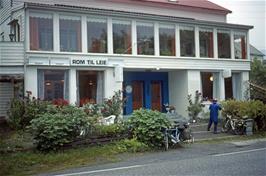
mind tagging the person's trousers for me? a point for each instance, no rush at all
(210, 124)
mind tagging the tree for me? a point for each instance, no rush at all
(258, 81)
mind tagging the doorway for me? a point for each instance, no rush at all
(156, 96)
(137, 94)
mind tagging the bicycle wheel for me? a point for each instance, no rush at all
(226, 127)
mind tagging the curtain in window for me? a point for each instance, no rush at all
(34, 33)
(99, 93)
(210, 44)
(41, 83)
(243, 47)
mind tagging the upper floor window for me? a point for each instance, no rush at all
(122, 37)
(145, 38)
(224, 44)
(70, 33)
(167, 40)
(240, 46)
(187, 41)
(206, 43)
(97, 35)
(41, 32)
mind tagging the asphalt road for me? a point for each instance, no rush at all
(224, 159)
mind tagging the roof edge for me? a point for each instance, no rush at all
(118, 13)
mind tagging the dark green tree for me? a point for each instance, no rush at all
(258, 81)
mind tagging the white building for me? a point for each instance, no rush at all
(158, 51)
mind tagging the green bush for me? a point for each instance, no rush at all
(251, 109)
(146, 126)
(114, 105)
(22, 111)
(131, 145)
(112, 130)
(54, 129)
(15, 113)
(194, 108)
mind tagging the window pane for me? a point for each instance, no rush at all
(70, 35)
(240, 47)
(41, 33)
(54, 84)
(90, 87)
(207, 85)
(167, 42)
(122, 38)
(145, 40)
(97, 37)
(224, 48)
(206, 44)
(187, 43)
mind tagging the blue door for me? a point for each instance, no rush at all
(148, 90)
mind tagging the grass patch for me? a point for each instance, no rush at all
(34, 162)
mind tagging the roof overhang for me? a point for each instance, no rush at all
(142, 16)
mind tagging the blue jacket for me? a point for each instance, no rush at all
(214, 108)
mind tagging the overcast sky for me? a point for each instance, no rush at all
(248, 12)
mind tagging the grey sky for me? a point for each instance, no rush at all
(248, 12)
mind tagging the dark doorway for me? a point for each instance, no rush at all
(156, 96)
(137, 94)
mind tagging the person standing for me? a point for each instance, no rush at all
(214, 111)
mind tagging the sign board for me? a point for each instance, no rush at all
(89, 62)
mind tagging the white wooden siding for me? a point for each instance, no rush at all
(11, 53)
(6, 94)
(5, 11)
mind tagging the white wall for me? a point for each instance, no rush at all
(181, 84)
(178, 91)
(30, 81)
(110, 83)
(194, 82)
(244, 84)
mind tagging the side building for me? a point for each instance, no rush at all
(157, 52)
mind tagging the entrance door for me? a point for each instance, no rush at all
(156, 96)
(137, 94)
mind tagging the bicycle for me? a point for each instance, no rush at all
(234, 126)
(180, 133)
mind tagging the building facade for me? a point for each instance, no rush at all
(157, 52)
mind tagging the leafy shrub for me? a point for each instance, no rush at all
(112, 130)
(22, 111)
(251, 109)
(93, 109)
(15, 113)
(114, 105)
(194, 108)
(147, 125)
(132, 145)
(233, 108)
(54, 129)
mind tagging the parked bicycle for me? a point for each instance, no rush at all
(180, 133)
(234, 125)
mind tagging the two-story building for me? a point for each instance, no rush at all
(157, 51)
